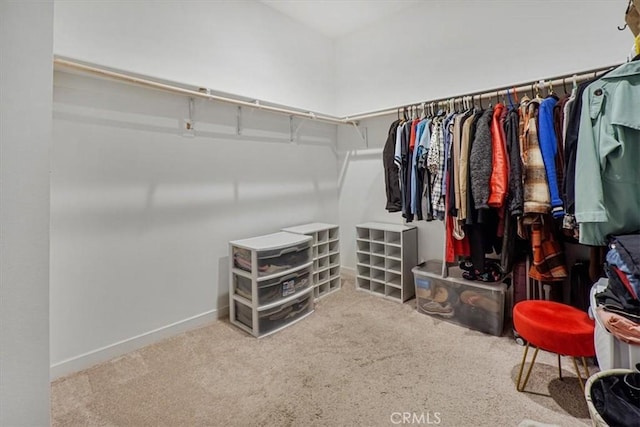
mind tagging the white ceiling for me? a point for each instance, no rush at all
(336, 18)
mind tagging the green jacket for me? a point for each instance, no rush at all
(607, 180)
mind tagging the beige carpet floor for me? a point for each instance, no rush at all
(358, 360)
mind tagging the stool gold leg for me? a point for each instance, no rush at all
(559, 367)
(524, 359)
(575, 365)
(586, 369)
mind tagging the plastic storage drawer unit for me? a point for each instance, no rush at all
(271, 282)
(275, 289)
(475, 305)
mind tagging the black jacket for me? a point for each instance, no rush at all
(515, 197)
(391, 175)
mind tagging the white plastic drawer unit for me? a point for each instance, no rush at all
(274, 318)
(275, 289)
(271, 282)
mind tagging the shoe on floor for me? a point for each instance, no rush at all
(434, 308)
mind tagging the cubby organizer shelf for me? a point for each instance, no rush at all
(271, 282)
(385, 255)
(326, 255)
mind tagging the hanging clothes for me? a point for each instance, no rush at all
(607, 180)
(406, 169)
(548, 258)
(465, 146)
(397, 158)
(548, 148)
(480, 158)
(423, 192)
(536, 189)
(499, 180)
(391, 174)
(417, 189)
(515, 197)
(558, 126)
(571, 146)
(497, 176)
(435, 164)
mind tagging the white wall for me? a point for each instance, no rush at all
(362, 192)
(446, 48)
(241, 47)
(141, 216)
(26, 43)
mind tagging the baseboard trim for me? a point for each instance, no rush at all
(91, 358)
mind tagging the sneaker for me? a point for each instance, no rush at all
(466, 265)
(434, 308)
(471, 274)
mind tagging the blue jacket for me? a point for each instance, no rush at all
(549, 148)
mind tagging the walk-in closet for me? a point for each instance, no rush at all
(287, 213)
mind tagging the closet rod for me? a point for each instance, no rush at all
(557, 81)
(90, 69)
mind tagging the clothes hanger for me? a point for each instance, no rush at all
(626, 12)
(515, 96)
(550, 91)
(537, 92)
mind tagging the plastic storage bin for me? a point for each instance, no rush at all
(475, 305)
(610, 351)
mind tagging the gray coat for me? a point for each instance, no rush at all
(480, 161)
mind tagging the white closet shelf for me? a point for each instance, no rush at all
(61, 62)
(326, 255)
(385, 254)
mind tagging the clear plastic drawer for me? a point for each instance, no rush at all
(275, 289)
(273, 261)
(277, 317)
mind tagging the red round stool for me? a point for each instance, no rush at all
(554, 327)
